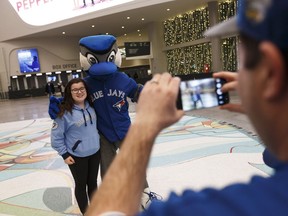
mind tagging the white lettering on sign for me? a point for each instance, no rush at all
(44, 12)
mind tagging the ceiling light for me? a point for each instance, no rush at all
(138, 30)
(48, 73)
(123, 27)
(140, 35)
(168, 9)
(128, 17)
(14, 77)
(142, 19)
(58, 72)
(93, 26)
(28, 75)
(39, 74)
(63, 33)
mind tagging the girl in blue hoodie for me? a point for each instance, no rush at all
(75, 137)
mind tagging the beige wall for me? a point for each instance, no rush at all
(62, 51)
(53, 51)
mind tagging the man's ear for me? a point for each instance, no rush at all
(275, 82)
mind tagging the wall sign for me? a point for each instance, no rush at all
(43, 12)
(137, 49)
(28, 60)
(64, 66)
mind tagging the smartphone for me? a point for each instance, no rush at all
(201, 93)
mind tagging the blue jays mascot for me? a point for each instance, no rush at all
(100, 59)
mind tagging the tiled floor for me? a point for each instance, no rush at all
(189, 154)
(23, 109)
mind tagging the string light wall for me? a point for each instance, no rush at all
(189, 27)
(228, 45)
(189, 59)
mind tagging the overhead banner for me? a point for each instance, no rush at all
(43, 12)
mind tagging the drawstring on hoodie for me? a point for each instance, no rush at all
(84, 117)
(89, 116)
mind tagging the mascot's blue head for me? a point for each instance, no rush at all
(99, 55)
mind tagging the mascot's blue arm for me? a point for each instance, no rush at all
(54, 108)
(137, 93)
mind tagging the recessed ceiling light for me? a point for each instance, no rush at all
(63, 33)
(93, 26)
(123, 27)
(142, 19)
(107, 33)
(138, 30)
(128, 17)
(125, 34)
(168, 9)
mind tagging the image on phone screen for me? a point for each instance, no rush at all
(202, 93)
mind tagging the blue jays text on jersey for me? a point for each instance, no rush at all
(109, 98)
(110, 93)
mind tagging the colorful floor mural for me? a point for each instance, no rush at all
(195, 152)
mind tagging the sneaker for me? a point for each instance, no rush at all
(148, 197)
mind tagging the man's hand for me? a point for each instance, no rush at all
(231, 85)
(54, 107)
(157, 102)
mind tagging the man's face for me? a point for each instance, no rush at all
(250, 88)
(243, 79)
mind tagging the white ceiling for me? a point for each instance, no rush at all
(12, 27)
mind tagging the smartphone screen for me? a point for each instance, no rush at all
(201, 93)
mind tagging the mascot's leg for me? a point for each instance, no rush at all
(147, 195)
(108, 152)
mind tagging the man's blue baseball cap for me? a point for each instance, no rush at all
(259, 19)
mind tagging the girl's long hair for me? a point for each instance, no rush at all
(68, 102)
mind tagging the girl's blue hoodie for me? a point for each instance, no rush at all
(76, 134)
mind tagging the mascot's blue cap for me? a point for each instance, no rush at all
(100, 44)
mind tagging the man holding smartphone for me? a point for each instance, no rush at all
(201, 93)
(263, 89)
